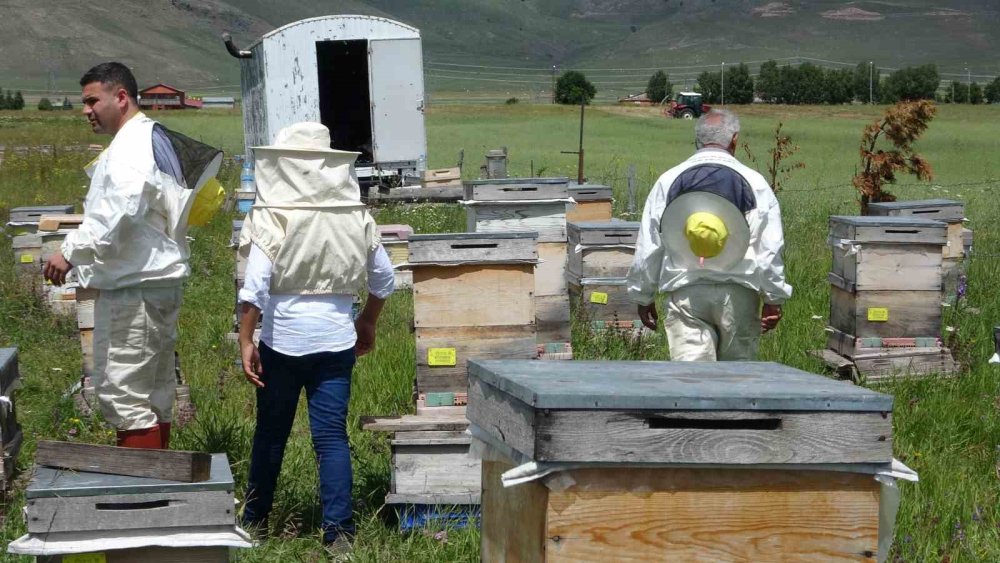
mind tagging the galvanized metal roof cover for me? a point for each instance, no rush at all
(911, 204)
(468, 236)
(885, 221)
(50, 482)
(515, 181)
(588, 385)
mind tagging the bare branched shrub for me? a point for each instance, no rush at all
(778, 171)
(902, 125)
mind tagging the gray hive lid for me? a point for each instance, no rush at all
(8, 368)
(604, 226)
(50, 482)
(590, 385)
(555, 181)
(31, 213)
(470, 236)
(948, 210)
(890, 221)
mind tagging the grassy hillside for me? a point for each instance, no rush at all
(177, 41)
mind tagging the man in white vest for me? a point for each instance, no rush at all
(132, 246)
(711, 239)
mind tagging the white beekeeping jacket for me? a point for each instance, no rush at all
(310, 222)
(135, 216)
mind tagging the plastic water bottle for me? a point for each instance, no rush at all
(246, 178)
(422, 163)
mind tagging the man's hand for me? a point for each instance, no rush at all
(648, 316)
(366, 336)
(56, 268)
(769, 317)
(252, 368)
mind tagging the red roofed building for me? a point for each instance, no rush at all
(162, 96)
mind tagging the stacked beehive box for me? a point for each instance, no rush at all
(885, 295)
(27, 241)
(539, 205)
(52, 230)
(599, 259)
(90, 512)
(679, 461)
(86, 300)
(441, 178)
(395, 239)
(959, 238)
(10, 430)
(472, 298)
(591, 202)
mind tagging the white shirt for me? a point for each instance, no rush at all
(762, 268)
(296, 325)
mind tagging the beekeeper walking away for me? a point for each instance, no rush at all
(711, 240)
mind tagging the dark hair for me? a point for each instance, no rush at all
(112, 74)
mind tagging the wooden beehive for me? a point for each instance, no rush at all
(638, 434)
(77, 501)
(947, 211)
(597, 300)
(886, 276)
(592, 203)
(518, 204)
(601, 249)
(473, 297)
(395, 240)
(28, 253)
(24, 220)
(10, 429)
(552, 308)
(441, 178)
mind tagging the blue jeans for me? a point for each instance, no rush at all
(326, 377)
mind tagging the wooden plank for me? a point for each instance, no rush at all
(452, 296)
(434, 469)
(171, 465)
(11, 449)
(914, 362)
(432, 438)
(129, 511)
(589, 211)
(398, 251)
(433, 499)
(893, 267)
(724, 437)
(414, 423)
(513, 519)
(154, 555)
(56, 222)
(483, 342)
(840, 365)
(471, 248)
(910, 313)
(546, 219)
(955, 247)
(711, 515)
(505, 418)
(430, 194)
(552, 318)
(87, 351)
(550, 275)
(438, 174)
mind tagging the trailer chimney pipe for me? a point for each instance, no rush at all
(233, 50)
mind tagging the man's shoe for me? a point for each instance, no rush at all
(144, 438)
(340, 548)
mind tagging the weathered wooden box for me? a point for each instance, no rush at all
(639, 431)
(395, 240)
(944, 210)
(552, 309)
(153, 554)
(78, 501)
(433, 464)
(28, 253)
(24, 220)
(441, 177)
(601, 249)
(473, 296)
(593, 203)
(885, 314)
(10, 429)
(518, 204)
(887, 253)
(601, 299)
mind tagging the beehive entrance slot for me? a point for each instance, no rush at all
(474, 245)
(903, 231)
(132, 505)
(659, 423)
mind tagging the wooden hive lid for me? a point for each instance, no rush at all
(32, 213)
(889, 229)
(947, 210)
(590, 192)
(49, 482)
(8, 368)
(664, 386)
(517, 189)
(445, 248)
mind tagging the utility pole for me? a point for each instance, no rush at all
(579, 152)
(553, 84)
(871, 89)
(968, 74)
(723, 83)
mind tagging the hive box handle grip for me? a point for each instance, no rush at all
(474, 245)
(662, 423)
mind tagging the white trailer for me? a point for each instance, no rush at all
(361, 76)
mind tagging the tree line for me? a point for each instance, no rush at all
(11, 100)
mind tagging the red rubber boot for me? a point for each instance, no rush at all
(145, 438)
(164, 435)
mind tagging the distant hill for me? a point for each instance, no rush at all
(45, 42)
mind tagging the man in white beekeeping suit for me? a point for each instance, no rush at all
(711, 239)
(132, 246)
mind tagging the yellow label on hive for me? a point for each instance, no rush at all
(441, 357)
(878, 314)
(84, 558)
(27, 258)
(599, 297)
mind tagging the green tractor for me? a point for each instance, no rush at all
(686, 105)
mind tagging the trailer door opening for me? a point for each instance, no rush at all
(344, 98)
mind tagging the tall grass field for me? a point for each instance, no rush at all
(946, 429)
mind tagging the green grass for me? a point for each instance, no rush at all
(948, 430)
